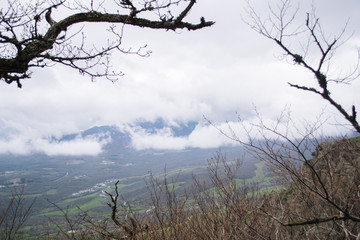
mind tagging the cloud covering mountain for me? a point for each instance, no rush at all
(220, 72)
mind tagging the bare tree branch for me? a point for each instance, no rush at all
(23, 47)
(277, 28)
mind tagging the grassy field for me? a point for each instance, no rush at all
(51, 192)
(97, 202)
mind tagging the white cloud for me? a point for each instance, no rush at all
(202, 137)
(232, 133)
(87, 146)
(78, 146)
(15, 146)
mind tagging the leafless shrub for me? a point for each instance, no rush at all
(14, 213)
(321, 179)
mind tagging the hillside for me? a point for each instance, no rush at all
(69, 182)
(225, 200)
(320, 201)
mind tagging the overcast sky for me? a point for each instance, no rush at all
(218, 72)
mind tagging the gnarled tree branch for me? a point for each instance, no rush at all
(19, 53)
